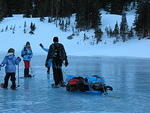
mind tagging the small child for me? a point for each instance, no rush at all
(27, 54)
(10, 62)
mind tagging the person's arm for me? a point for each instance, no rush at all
(23, 52)
(45, 49)
(31, 53)
(48, 55)
(64, 56)
(64, 53)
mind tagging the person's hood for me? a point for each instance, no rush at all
(10, 55)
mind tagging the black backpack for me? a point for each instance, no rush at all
(56, 51)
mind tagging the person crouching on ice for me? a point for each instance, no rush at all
(10, 62)
(27, 54)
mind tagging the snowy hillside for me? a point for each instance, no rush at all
(77, 46)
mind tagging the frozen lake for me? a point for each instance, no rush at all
(130, 78)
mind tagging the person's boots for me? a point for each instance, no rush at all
(28, 75)
(62, 84)
(25, 72)
(13, 80)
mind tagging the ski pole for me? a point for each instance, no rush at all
(18, 77)
(31, 70)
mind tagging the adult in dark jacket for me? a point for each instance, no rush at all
(57, 54)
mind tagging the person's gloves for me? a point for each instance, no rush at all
(1, 65)
(41, 45)
(19, 59)
(66, 63)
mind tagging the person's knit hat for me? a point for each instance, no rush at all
(55, 39)
(11, 50)
(27, 43)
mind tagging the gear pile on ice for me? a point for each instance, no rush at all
(93, 84)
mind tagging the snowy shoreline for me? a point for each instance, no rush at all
(77, 46)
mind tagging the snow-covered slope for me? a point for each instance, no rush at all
(77, 46)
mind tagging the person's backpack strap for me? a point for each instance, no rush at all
(57, 51)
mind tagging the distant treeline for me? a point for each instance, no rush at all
(87, 11)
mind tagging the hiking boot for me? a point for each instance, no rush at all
(48, 72)
(62, 84)
(29, 75)
(13, 88)
(3, 86)
(55, 86)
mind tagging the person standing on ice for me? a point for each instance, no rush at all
(27, 54)
(10, 62)
(50, 60)
(57, 54)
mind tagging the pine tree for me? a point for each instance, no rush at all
(32, 28)
(61, 25)
(42, 19)
(25, 25)
(6, 28)
(28, 8)
(49, 20)
(142, 21)
(13, 29)
(3, 9)
(88, 16)
(98, 35)
(1, 18)
(110, 32)
(124, 28)
(107, 31)
(116, 30)
(85, 37)
(2, 30)
(131, 33)
(24, 30)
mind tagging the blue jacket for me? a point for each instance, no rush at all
(45, 49)
(10, 62)
(49, 63)
(26, 54)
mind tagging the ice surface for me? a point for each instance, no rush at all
(128, 76)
